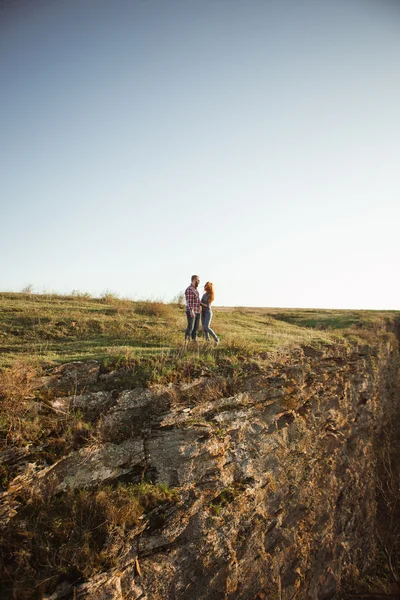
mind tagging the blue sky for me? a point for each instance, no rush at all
(254, 143)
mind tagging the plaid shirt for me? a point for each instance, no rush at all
(192, 299)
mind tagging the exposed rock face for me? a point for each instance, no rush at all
(73, 377)
(277, 498)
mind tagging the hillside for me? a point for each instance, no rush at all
(135, 467)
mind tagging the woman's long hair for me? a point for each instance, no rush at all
(210, 291)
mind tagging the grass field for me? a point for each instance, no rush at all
(53, 329)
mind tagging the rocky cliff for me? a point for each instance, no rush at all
(273, 475)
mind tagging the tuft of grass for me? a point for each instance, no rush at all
(109, 297)
(226, 497)
(18, 383)
(81, 295)
(150, 308)
(18, 414)
(28, 289)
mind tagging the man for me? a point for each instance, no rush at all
(192, 309)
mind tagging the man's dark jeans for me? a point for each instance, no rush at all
(192, 327)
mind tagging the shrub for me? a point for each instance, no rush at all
(28, 289)
(109, 297)
(179, 300)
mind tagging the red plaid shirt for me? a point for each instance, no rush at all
(192, 299)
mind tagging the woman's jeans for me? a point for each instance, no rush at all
(206, 317)
(192, 327)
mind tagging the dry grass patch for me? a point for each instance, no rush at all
(19, 419)
(18, 382)
(73, 535)
(150, 308)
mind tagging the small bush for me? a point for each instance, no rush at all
(109, 297)
(179, 300)
(28, 289)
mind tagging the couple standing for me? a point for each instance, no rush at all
(193, 306)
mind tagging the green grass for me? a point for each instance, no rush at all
(55, 329)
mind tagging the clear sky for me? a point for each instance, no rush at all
(254, 142)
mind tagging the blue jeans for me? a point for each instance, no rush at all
(206, 317)
(192, 326)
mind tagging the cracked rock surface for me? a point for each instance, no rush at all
(274, 498)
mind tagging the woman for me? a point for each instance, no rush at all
(206, 312)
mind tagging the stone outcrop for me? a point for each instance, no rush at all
(276, 481)
(73, 377)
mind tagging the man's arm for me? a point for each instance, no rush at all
(190, 300)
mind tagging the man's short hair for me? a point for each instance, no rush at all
(194, 277)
